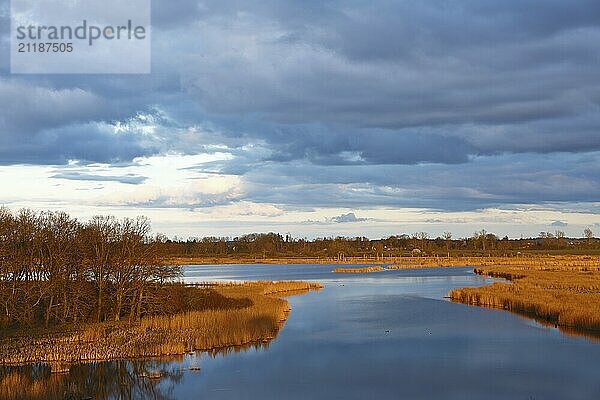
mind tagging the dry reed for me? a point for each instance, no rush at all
(564, 291)
(164, 335)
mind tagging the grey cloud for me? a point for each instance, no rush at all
(340, 219)
(162, 199)
(89, 142)
(175, 13)
(345, 218)
(446, 82)
(559, 224)
(310, 80)
(484, 182)
(30, 108)
(129, 179)
(368, 147)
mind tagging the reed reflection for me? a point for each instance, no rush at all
(122, 379)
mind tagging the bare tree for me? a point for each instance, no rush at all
(51, 265)
(100, 241)
(481, 236)
(588, 234)
(447, 236)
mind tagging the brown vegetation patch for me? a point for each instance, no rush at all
(563, 292)
(230, 315)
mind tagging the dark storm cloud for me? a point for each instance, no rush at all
(371, 147)
(436, 75)
(461, 64)
(90, 143)
(43, 122)
(400, 29)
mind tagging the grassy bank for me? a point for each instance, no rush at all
(238, 315)
(563, 291)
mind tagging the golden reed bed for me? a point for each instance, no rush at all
(563, 291)
(163, 335)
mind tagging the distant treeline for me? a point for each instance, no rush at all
(55, 269)
(274, 245)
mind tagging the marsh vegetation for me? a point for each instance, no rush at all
(564, 291)
(223, 316)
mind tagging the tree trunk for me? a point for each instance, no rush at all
(65, 306)
(49, 310)
(133, 306)
(118, 305)
(139, 307)
(99, 316)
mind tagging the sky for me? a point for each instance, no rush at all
(320, 118)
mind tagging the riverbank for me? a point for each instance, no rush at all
(563, 292)
(248, 312)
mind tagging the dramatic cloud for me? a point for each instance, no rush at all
(349, 104)
(89, 142)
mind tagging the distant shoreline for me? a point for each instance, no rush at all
(407, 262)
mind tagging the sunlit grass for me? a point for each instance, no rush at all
(563, 291)
(218, 327)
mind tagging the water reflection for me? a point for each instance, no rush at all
(124, 379)
(593, 336)
(119, 379)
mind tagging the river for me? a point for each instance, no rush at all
(386, 335)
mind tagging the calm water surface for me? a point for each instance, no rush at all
(378, 336)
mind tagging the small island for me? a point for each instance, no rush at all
(361, 270)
